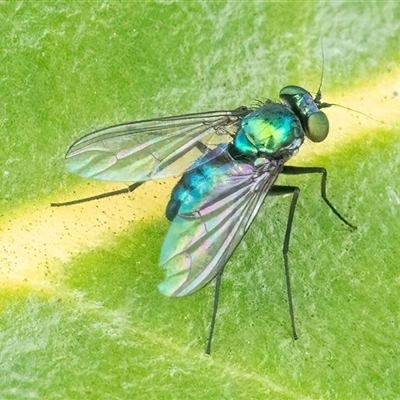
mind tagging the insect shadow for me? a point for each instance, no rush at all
(229, 161)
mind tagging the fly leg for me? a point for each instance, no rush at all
(129, 189)
(274, 191)
(202, 147)
(295, 191)
(288, 170)
(215, 309)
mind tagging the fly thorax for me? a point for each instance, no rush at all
(269, 132)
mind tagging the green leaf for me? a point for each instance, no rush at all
(80, 313)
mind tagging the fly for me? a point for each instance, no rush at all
(229, 162)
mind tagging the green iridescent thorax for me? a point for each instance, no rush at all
(271, 130)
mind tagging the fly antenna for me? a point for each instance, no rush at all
(318, 95)
(326, 105)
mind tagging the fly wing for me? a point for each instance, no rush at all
(209, 227)
(151, 149)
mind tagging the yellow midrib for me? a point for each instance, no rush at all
(37, 240)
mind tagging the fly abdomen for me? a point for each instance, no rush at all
(194, 182)
(183, 190)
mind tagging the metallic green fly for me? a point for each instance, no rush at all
(229, 162)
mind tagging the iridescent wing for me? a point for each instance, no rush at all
(151, 149)
(211, 224)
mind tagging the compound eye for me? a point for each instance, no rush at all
(318, 127)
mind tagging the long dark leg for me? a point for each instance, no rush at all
(295, 191)
(214, 316)
(202, 147)
(288, 170)
(129, 189)
(274, 191)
